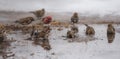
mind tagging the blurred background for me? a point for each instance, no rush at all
(83, 6)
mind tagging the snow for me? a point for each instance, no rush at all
(81, 48)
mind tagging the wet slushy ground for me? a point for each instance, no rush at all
(82, 47)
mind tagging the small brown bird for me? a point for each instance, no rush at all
(41, 38)
(110, 33)
(39, 13)
(25, 21)
(89, 30)
(75, 18)
(71, 34)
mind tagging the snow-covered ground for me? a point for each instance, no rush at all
(84, 47)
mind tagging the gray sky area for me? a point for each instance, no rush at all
(93, 6)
